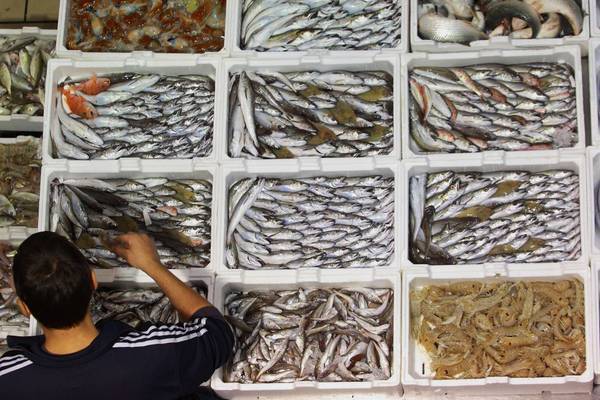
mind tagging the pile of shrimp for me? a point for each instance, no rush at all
(516, 329)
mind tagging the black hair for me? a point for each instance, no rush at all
(53, 279)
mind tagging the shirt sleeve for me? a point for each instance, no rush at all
(208, 346)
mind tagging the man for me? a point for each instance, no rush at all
(75, 359)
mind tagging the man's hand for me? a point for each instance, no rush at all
(138, 250)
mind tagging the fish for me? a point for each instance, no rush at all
(506, 216)
(166, 26)
(20, 169)
(175, 213)
(23, 62)
(281, 25)
(310, 114)
(136, 307)
(12, 322)
(310, 334)
(489, 107)
(464, 22)
(504, 328)
(286, 224)
(148, 116)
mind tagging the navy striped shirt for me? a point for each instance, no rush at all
(160, 362)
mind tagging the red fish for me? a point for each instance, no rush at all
(78, 105)
(93, 86)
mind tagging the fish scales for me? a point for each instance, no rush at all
(311, 334)
(492, 107)
(311, 113)
(175, 213)
(23, 62)
(462, 21)
(496, 216)
(135, 115)
(288, 224)
(281, 25)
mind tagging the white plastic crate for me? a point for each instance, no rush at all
(498, 42)
(416, 375)
(491, 162)
(593, 183)
(389, 63)
(595, 282)
(140, 169)
(133, 279)
(234, 23)
(60, 70)
(18, 233)
(567, 54)
(22, 122)
(233, 171)
(594, 70)
(63, 52)
(284, 280)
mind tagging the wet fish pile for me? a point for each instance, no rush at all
(508, 216)
(519, 329)
(310, 113)
(493, 107)
(12, 322)
(133, 115)
(465, 21)
(175, 213)
(20, 165)
(23, 74)
(162, 26)
(135, 306)
(282, 25)
(327, 335)
(326, 222)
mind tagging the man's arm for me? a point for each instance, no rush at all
(140, 252)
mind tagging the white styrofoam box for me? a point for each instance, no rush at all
(491, 162)
(18, 233)
(174, 169)
(593, 184)
(567, 54)
(388, 62)
(59, 70)
(22, 122)
(594, 69)
(133, 279)
(416, 374)
(286, 280)
(233, 171)
(497, 42)
(234, 20)
(63, 52)
(594, 22)
(595, 281)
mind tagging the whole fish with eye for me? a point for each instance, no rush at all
(309, 334)
(493, 107)
(162, 26)
(523, 329)
(310, 114)
(317, 222)
(466, 21)
(283, 25)
(134, 115)
(12, 322)
(136, 306)
(20, 166)
(23, 62)
(175, 213)
(505, 216)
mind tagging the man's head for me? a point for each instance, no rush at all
(53, 280)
